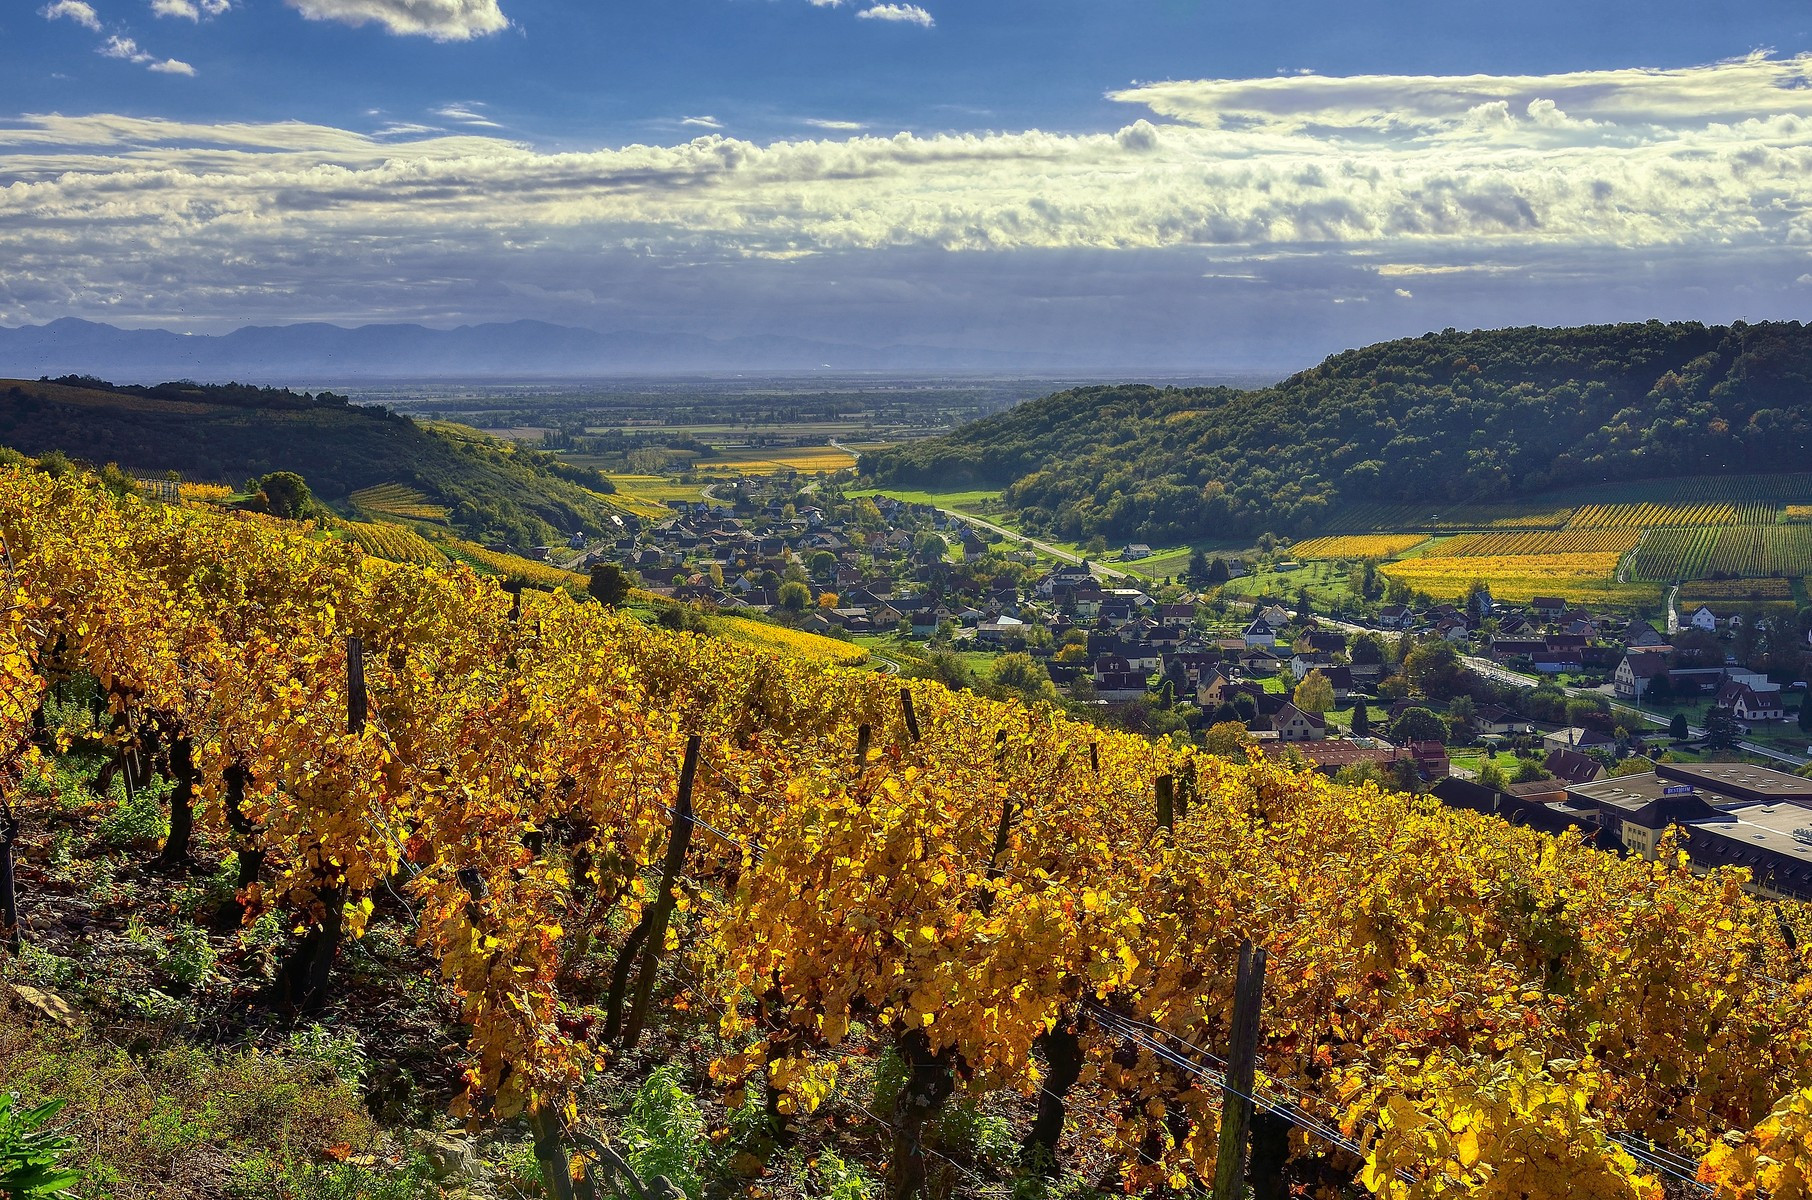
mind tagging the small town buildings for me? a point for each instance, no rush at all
(1294, 725)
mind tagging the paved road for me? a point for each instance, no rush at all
(1103, 571)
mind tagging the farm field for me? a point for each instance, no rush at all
(397, 500)
(490, 562)
(1650, 516)
(394, 542)
(1744, 550)
(1367, 545)
(646, 495)
(1581, 578)
(1565, 541)
(806, 459)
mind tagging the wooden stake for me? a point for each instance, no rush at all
(1167, 795)
(1242, 1067)
(1094, 758)
(662, 910)
(356, 702)
(862, 736)
(9, 897)
(912, 718)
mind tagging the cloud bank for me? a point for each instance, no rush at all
(1347, 183)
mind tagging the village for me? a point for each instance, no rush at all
(1529, 710)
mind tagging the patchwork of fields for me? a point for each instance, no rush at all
(1613, 543)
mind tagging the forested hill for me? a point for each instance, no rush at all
(1444, 418)
(227, 433)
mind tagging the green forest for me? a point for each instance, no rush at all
(1450, 417)
(226, 433)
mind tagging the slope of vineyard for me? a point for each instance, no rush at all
(840, 868)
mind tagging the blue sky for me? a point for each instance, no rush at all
(1149, 183)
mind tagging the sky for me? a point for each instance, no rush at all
(1138, 184)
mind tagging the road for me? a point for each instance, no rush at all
(1103, 571)
(1491, 670)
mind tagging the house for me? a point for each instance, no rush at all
(1301, 664)
(1641, 634)
(1430, 758)
(1258, 661)
(1493, 719)
(1572, 767)
(1547, 608)
(1294, 725)
(1636, 672)
(1577, 738)
(1746, 704)
(1260, 634)
(1556, 662)
(1135, 550)
(1704, 619)
(1275, 615)
(1395, 616)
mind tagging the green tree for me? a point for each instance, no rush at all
(285, 494)
(1528, 771)
(1677, 728)
(1315, 693)
(1434, 669)
(824, 564)
(1362, 720)
(1218, 571)
(1492, 776)
(1418, 725)
(795, 597)
(1024, 677)
(1720, 729)
(609, 585)
(1805, 713)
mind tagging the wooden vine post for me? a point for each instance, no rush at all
(863, 733)
(1167, 803)
(912, 717)
(9, 895)
(649, 938)
(357, 703)
(1242, 1068)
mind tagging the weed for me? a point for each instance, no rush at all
(30, 1153)
(137, 818)
(184, 955)
(339, 1051)
(262, 1178)
(665, 1130)
(965, 1130)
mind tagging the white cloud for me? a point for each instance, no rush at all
(1405, 293)
(192, 10)
(911, 14)
(836, 126)
(826, 3)
(98, 204)
(171, 66)
(123, 47)
(704, 122)
(81, 13)
(440, 20)
(467, 114)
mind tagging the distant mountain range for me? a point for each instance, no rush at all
(519, 349)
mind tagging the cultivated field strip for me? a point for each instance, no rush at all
(397, 500)
(1366, 517)
(1363, 545)
(394, 543)
(1652, 516)
(1564, 541)
(1744, 550)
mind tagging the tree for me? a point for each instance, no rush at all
(1362, 720)
(1368, 650)
(1434, 669)
(609, 585)
(1218, 572)
(827, 599)
(795, 597)
(1492, 776)
(1528, 771)
(1418, 725)
(1227, 739)
(824, 564)
(1315, 693)
(1305, 608)
(1023, 676)
(1198, 566)
(285, 494)
(1720, 729)
(1408, 777)
(1805, 714)
(1677, 728)
(1478, 602)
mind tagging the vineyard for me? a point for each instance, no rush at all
(1783, 551)
(1568, 541)
(1582, 578)
(608, 842)
(1362, 517)
(514, 566)
(397, 500)
(1373, 545)
(394, 542)
(1702, 590)
(1650, 516)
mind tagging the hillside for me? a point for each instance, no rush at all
(488, 491)
(873, 930)
(1445, 418)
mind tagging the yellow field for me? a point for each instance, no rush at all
(394, 543)
(203, 491)
(1517, 577)
(516, 567)
(1358, 545)
(806, 459)
(644, 495)
(397, 500)
(780, 640)
(1565, 541)
(1649, 516)
(1798, 513)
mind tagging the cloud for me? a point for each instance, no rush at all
(1405, 293)
(1460, 199)
(81, 13)
(189, 9)
(912, 14)
(171, 66)
(838, 126)
(826, 3)
(467, 114)
(440, 20)
(123, 47)
(704, 122)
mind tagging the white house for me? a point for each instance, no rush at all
(1704, 619)
(1260, 634)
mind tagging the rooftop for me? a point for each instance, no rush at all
(1740, 780)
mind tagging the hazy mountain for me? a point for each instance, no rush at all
(514, 350)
